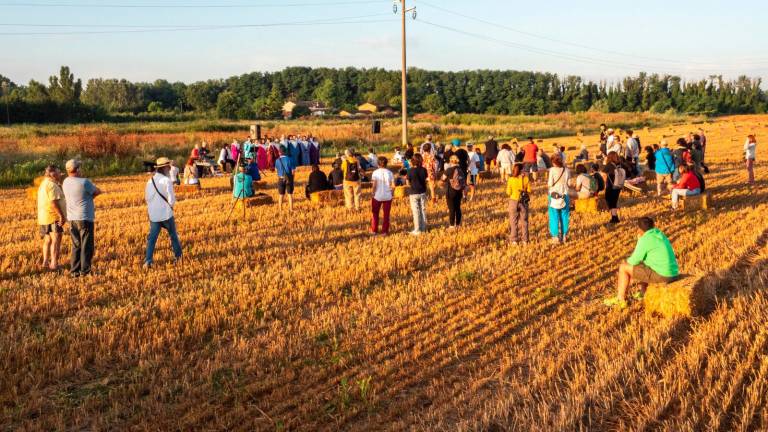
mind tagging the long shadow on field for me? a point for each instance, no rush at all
(728, 284)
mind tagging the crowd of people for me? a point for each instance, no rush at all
(425, 169)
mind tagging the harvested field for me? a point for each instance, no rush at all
(305, 322)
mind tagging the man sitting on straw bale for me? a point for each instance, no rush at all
(652, 262)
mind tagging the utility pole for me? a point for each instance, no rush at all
(7, 95)
(404, 90)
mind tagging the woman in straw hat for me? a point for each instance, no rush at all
(160, 199)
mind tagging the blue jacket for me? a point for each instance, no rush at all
(665, 162)
(253, 171)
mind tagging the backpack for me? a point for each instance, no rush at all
(592, 184)
(619, 178)
(458, 180)
(353, 172)
(599, 182)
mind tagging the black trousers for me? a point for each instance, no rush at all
(82, 247)
(453, 197)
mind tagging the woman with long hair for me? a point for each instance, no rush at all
(190, 173)
(455, 179)
(418, 179)
(558, 200)
(519, 193)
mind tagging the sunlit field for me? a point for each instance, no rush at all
(303, 321)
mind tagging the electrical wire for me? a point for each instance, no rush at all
(574, 44)
(150, 29)
(561, 55)
(167, 30)
(188, 5)
(180, 26)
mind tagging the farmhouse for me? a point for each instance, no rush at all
(316, 108)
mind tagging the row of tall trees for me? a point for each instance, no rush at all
(261, 95)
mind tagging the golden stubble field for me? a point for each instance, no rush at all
(303, 322)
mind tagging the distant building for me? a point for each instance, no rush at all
(370, 109)
(316, 108)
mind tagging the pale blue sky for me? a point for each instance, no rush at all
(692, 38)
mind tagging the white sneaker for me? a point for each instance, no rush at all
(415, 233)
(554, 240)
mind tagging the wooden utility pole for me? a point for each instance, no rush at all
(404, 92)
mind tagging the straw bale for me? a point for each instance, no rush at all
(686, 297)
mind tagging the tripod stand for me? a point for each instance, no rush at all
(240, 198)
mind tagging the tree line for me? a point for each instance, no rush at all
(260, 95)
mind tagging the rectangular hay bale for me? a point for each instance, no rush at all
(587, 205)
(254, 201)
(327, 198)
(488, 175)
(687, 297)
(695, 202)
(187, 189)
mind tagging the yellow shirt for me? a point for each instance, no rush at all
(49, 194)
(515, 185)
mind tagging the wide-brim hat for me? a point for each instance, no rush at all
(162, 162)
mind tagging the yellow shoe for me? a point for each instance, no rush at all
(615, 301)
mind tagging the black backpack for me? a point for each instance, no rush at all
(353, 171)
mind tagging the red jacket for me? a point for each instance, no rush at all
(688, 181)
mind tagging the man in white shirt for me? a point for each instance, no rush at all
(160, 199)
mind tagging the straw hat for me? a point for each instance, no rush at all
(162, 162)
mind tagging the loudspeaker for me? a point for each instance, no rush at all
(256, 132)
(376, 127)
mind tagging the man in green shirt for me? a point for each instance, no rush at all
(653, 261)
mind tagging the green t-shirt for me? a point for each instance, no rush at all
(654, 250)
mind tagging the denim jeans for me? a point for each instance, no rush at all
(154, 231)
(82, 247)
(677, 193)
(419, 210)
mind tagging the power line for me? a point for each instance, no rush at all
(188, 6)
(202, 28)
(561, 55)
(574, 44)
(180, 26)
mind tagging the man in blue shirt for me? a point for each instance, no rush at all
(665, 167)
(285, 171)
(252, 169)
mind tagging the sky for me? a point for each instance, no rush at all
(595, 39)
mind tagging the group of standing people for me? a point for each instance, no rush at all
(68, 201)
(302, 150)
